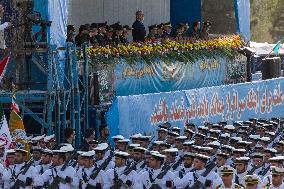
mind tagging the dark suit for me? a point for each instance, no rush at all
(138, 32)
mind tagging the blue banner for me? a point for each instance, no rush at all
(242, 13)
(160, 76)
(143, 113)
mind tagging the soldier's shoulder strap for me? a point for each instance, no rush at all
(208, 169)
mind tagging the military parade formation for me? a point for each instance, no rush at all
(247, 154)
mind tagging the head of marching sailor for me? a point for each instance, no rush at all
(59, 157)
(156, 160)
(138, 153)
(120, 158)
(200, 161)
(46, 157)
(171, 155)
(101, 151)
(277, 176)
(20, 156)
(88, 158)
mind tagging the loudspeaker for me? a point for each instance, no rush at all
(271, 68)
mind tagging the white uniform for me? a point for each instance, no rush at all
(280, 187)
(146, 178)
(16, 173)
(85, 177)
(212, 176)
(42, 168)
(186, 180)
(182, 171)
(49, 175)
(140, 166)
(130, 178)
(109, 166)
(241, 177)
(36, 163)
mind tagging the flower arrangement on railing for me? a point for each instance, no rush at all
(183, 51)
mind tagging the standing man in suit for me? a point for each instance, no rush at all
(139, 31)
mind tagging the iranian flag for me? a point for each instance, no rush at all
(5, 135)
(3, 65)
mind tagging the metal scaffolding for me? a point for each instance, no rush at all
(63, 102)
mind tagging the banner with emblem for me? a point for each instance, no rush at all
(143, 113)
(164, 76)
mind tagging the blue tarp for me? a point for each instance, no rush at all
(242, 12)
(143, 113)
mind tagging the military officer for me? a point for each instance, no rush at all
(277, 178)
(61, 175)
(22, 175)
(139, 158)
(103, 158)
(252, 182)
(46, 161)
(121, 176)
(90, 176)
(227, 175)
(241, 169)
(186, 165)
(36, 152)
(156, 176)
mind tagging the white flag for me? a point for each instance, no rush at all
(5, 135)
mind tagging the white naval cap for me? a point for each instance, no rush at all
(171, 150)
(202, 127)
(38, 138)
(214, 143)
(101, 147)
(229, 127)
(202, 157)
(89, 154)
(225, 135)
(139, 149)
(48, 138)
(265, 139)
(157, 155)
(118, 137)
(67, 148)
(181, 138)
(276, 170)
(277, 159)
(135, 136)
(255, 137)
(10, 151)
(158, 142)
(133, 145)
(121, 154)
(237, 138)
(123, 141)
(189, 143)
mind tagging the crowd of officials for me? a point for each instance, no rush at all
(102, 34)
(247, 154)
